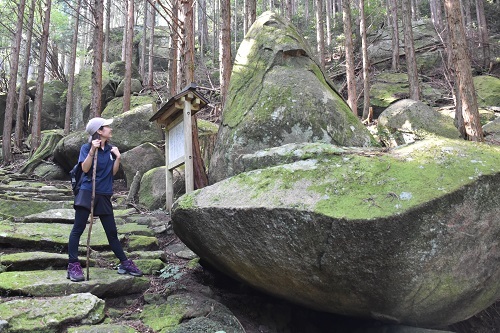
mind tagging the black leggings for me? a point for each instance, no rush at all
(107, 221)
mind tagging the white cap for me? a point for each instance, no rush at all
(95, 123)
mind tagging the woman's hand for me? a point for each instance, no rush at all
(116, 152)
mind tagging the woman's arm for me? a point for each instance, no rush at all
(116, 164)
(87, 163)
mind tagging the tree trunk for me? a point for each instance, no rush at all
(71, 71)
(366, 65)
(252, 12)
(436, 15)
(174, 37)
(225, 49)
(125, 30)
(461, 61)
(395, 34)
(411, 63)
(127, 80)
(107, 33)
(349, 55)
(483, 33)
(11, 94)
(320, 32)
(328, 25)
(96, 101)
(152, 17)
(37, 109)
(188, 37)
(21, 119)
(142, 64)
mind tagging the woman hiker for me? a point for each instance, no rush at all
(108, 163)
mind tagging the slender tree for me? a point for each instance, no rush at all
(484, 43)
(96, 100)
(152, 19)
(71, 70)
(11, 93)
(349, 56)
(366, 65)
(411, 62)
(174, 46)
(251, 12)
(127, 81)
(21, 105)
(107, 31)
(467, 115)
(142, 61)
(36, 127)
(394, 33)
(320, 32)
(225, 47)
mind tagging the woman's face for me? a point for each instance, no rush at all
(105, 132)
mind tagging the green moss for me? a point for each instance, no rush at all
(15, 208)
(163, 317)
(115, 106)
(138, 242)
(487, 90)
(359, 187)
(187, 200)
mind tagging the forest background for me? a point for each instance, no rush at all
(44, 40)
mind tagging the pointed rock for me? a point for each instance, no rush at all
(278, 94)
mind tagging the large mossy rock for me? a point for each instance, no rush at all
(50, 139)
(278, 94)
(130, 129)
(152, 191)
(387, 88)
(83, 95)
(407, 120)
(115, 106)
(141, 159)
(487, 90)
(408, 236)
(53, 105)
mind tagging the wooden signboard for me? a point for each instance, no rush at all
(176, 116)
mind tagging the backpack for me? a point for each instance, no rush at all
(76, 175)
(76, 178)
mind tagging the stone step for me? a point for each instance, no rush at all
(150, 262)
(66, 215)
(54, 236)
(47, 283)
(51, 314)
(11, 209)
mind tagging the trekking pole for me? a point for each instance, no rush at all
(91, 210)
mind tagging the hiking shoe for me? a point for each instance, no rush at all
(128, 267)
(75, 272)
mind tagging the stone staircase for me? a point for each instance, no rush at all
(35, 222)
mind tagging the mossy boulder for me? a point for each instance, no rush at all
(68, 149)
(50, 315)
(53, 105)
(409, 235)
(49, 141)
(190, 314)
(387, 88)
(135, 87)
(117, 71)
(152, 192)
(278, 94)
(83, 95)
(407, 120)
(115, 106)
(487, 90)
(141, 159)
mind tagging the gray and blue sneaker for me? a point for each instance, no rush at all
(128, 267)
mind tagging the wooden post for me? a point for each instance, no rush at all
(169, 187)
(188, 146)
